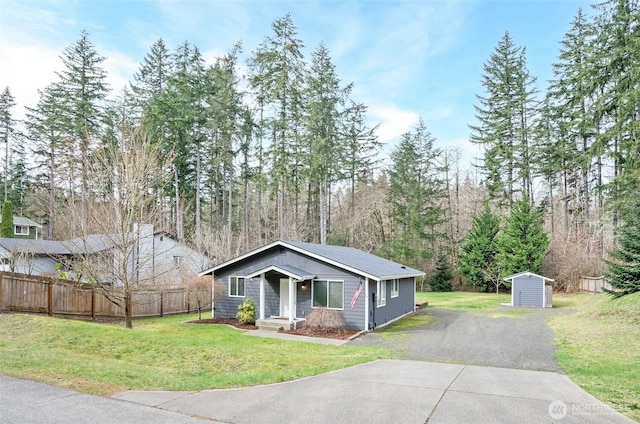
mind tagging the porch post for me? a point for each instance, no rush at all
(292, 303)
(262, 296)
(366, 304)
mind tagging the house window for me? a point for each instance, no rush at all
(328, 294)
(382, 293)
(395, 288)
(21, 230)
(236, 286)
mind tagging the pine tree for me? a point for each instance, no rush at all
(277, 75)
(83, 89)
(6, 226)
(47, 133)
(522, 244)
(478, 256)
(416, 190)
(326, 151)
(570, 107)
(624, 266)
(505, 122)
(440, 281)
(618, 79)
(7, 102)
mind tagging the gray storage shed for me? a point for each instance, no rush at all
(529, 289)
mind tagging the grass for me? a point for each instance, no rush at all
(463, 300)
(486, 304)
(158, 354)
(599, 348)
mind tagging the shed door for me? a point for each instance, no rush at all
(284, 297)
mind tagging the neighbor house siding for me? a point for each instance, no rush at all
(528, 290)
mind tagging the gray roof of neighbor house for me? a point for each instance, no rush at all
(92, 244)
(36, 247)
(26, 222)
(348, 258)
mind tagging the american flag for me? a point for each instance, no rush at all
(356, 295)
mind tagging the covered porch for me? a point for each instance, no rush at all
(284, 296)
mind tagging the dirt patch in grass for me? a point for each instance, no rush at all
(226, 321)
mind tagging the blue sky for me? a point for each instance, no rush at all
(407, 59)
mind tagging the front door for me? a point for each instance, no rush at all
(284, 297)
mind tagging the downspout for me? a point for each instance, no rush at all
(213, 295)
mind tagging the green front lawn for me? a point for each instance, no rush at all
(158, 354)
(599, 348)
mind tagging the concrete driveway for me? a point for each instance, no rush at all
(385, 391)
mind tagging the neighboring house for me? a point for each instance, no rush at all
(153, 258)
(287, 279)
(529, 289)
(25, 228)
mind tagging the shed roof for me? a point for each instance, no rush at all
(348, 258)
(528, 274)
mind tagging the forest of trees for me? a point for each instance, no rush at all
(282, 150)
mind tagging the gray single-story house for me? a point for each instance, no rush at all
(287, 279)
(529, 289)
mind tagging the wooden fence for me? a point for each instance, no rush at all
(28, 293)
(594, 284)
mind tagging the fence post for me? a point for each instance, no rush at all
(93, 303)
(161, 303)
(50, 298)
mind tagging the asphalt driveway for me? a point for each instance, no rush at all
(509, 338)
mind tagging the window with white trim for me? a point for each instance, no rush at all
(236, 286)
(21, 230)
(395, 288)
(328, 294)
(382, 293)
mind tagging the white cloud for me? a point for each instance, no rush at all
(120, 69)
(27, 67)
(393, 121)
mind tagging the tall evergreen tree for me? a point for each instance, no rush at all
(478, 256)
(6, 226)
(7, 124)
(324, 98)
(362, 146)
(277, 75)
(416, 190)
(505, 121)
(570, 102)
(47, 133)
(84, 91)
(618, 79)
(522, 244)
(624, 266)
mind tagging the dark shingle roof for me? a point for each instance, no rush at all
(348, 258)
